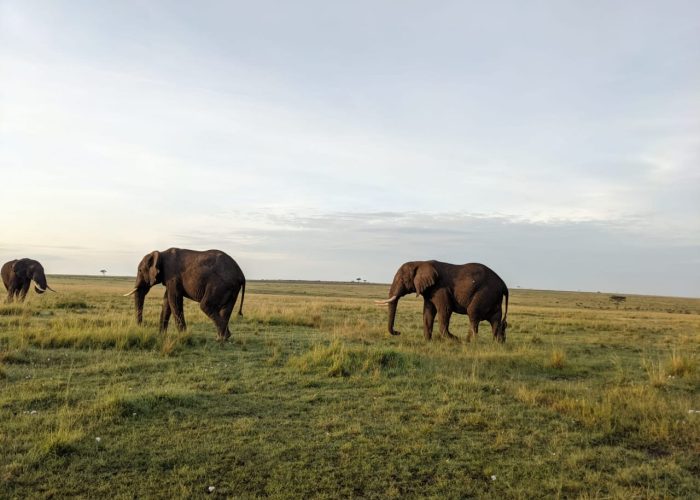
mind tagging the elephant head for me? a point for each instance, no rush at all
(149, 273)
(411, 277)
(28, 269)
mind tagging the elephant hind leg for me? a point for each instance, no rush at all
(218, 313)
(175, 300)
(495, 321)
(473, 329)
(225, 315)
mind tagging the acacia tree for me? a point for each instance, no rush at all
(617, 300)
(103, 271)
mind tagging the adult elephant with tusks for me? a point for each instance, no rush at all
(211, 278)
(471, 289)
(17, 276)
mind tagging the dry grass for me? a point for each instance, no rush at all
(311, 397)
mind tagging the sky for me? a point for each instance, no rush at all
(558, 142)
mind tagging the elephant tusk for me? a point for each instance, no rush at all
(130, 293)
(40, 289)
(385, 302)
(49, 288)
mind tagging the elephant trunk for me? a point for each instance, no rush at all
(40, 284)
(139, 298)
(392, 316)
(396, 291)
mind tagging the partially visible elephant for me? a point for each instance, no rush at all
(17, 276)
(211, 278)
(471, 289)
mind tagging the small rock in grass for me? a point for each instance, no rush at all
(98, 439)
(211, 489)
(493, 478)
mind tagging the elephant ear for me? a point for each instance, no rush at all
(154, 268)
(426, 276)
(20, 268)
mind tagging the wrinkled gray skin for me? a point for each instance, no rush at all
(17, 276)
(471, 289)
(211, 278)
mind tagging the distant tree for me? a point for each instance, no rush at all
(103, 271)
(617, 300)
(364, 281)
(358, 279)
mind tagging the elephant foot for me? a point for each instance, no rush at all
(449, 336)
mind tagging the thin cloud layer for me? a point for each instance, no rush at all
(319, 140)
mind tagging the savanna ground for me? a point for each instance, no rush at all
(312, 398)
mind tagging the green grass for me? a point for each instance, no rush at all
(312, 398)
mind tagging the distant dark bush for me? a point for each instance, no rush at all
(72, 304)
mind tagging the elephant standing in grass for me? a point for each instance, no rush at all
(471, 289)
(17, 276)
(211, 278)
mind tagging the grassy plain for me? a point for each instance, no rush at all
(312, 398)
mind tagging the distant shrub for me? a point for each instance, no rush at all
(617, 299)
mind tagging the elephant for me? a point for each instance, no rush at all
(471, 289)
(18, 274)
(211, 278)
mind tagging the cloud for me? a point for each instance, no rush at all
(602, 255)
(318, 139)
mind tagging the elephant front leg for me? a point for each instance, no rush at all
(429, 311)
(165, 314)
(445, 325)
(175, 300)
(23, 291)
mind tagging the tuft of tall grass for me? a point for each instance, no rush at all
(339, 360)
(143, 404)
(679, 365)
(557, 358)
(655, 372)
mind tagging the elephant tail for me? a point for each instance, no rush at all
(505, 293)
(240, 308)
